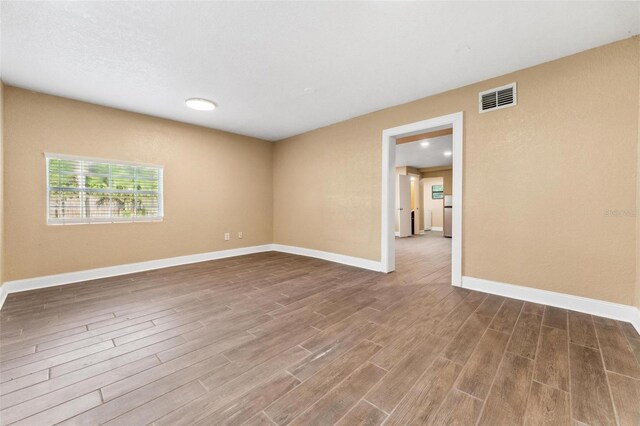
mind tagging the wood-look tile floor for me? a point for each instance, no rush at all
(279, 339)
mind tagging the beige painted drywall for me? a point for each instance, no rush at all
(436, 206)
(539, 178)
(1, 183)
(637, 212)
(447, 179)
(406, 170)
(207, 189)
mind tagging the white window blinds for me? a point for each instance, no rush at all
(88, 190)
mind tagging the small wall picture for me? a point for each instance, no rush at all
(437, 192)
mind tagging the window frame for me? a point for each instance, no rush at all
(90, 221)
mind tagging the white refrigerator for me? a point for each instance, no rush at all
(448, 215)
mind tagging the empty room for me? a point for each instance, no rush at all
(319, 213)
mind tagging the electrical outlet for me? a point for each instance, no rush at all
(227, 236)
(240, 235)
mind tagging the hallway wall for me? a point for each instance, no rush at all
(436, 206)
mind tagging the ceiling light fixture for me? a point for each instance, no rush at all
(447, 153)
(424, 144)
(200, 104)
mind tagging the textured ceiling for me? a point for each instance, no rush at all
(277, 69)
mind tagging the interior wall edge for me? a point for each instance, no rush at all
(3, 294)
(503, 150)
(358, 262)
(215, 182)
(602, 308)
(2, 245)
(638, 191)
(45, 281)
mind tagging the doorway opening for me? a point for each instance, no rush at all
(410, 198)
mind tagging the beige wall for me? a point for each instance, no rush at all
(570, 143)
(447, 179)
(1, 183)
(207, 190)
(405, 170)
(638, 196)
(436, 206)
(573, 142)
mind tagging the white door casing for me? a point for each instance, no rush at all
(387, 240)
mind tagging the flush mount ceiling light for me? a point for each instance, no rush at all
(200, 104)
(447, 153)
(424, 144)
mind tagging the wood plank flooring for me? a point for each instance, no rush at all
(274, 338)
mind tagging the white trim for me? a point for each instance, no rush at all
(576, 303)
(396, 234)
(131, 268)
(100, 160)
(3, 295)
(387, 240)
(436, 228)
(89, 220)
(332, 257)
(104, 220)
(566, 301)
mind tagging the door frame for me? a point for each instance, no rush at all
(387, 240)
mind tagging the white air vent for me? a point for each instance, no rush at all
(498, 98)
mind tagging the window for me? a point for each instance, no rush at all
(89, 190)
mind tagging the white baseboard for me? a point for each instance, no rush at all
(3, 295)
(113, 271)
(332, 257)
(436, 228)
(576, 303)
(397, 234)
(601, 308)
